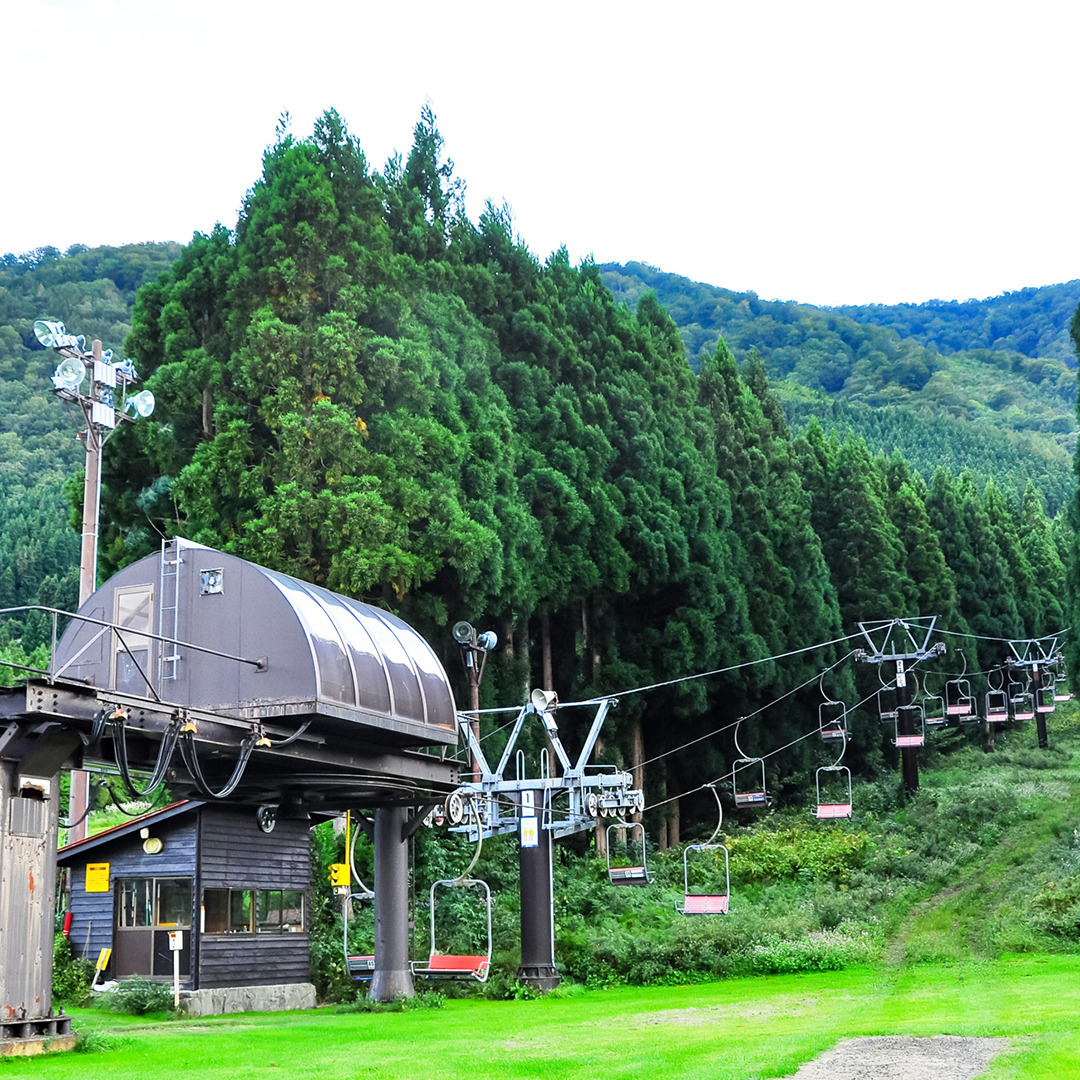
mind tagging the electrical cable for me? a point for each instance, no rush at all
(191, 761)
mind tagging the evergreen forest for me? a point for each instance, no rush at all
(632, 479)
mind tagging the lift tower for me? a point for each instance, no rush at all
(540, 809)
(1035, 659)
(901, 642)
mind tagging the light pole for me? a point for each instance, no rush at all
(474, 649)
(103, 408)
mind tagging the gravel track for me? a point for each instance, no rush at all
(903, 1057)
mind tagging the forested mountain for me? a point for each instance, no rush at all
(991, 384)
(360, 386)
(94, 291)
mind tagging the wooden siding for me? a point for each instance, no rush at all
(218, 847)
(253, 959)
(235, 853)
(92, 915)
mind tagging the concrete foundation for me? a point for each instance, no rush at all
(281, 997)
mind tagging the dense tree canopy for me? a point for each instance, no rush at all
(361, 387)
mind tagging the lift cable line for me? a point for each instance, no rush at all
(769, 753)
(749, 716)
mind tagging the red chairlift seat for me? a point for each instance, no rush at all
(705, 903)
(442, 965)
(454, 966)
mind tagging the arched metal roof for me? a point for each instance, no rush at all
(207, 630)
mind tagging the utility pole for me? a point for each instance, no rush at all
(104, 407)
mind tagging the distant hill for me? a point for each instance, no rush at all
(92, 290)
(986, 385)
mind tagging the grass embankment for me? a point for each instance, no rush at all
(737, 1029)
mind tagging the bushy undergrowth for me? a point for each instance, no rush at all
(138, 996)
(71, 976)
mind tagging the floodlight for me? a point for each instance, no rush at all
(143, 403)
(488, 640)
(54, 335)
(69, 374)
(126, 370)
(463, 632)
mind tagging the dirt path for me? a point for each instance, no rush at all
(903, 1057)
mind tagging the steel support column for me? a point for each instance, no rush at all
(537, 909)
(909, 755)
(393, 976)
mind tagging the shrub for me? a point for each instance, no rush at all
(71, 977)
(138, 996)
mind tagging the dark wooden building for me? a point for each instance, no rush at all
(237, 889)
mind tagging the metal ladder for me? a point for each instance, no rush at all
(172, 560)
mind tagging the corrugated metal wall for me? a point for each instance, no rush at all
(28, 827)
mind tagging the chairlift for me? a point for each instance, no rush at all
(468, 966)
(1061, 689)
(361, 966)
(839, 778)
(959, 700)
(997, 706)
(1022, 701)
(628, 875)
(886, 699)
(472, 966)
(1044, 700)
(917, 736)
(702, 903)
(933, 707)
(747, 795)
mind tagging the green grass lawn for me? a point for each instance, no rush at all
(732, 1030)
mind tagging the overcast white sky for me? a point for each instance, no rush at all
(829, 152)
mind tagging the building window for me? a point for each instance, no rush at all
(246, 911)
(227, 911)
(153, 902)
(281, 911)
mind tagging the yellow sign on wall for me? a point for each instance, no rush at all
(97, 877)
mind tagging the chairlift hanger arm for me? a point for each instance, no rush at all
(465, 726)
(593, 736)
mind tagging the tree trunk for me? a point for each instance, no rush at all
(545, 650)
(637, 757)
